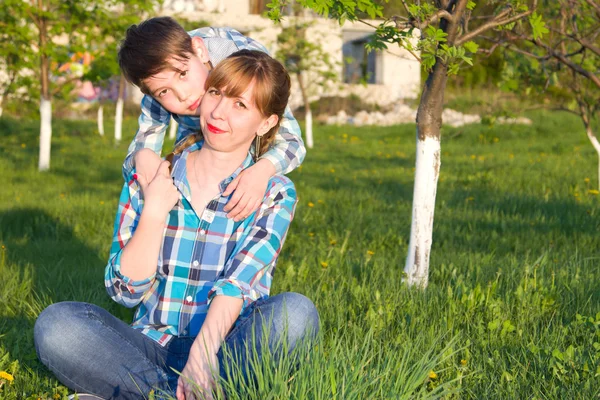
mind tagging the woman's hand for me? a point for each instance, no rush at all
(197, 380)
(250, 187)
(160, 194)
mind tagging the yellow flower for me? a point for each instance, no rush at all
(473, 156)
(101, 202)
(463, 362)
(587, 180)
(311, 234)
(331, 242)
(369, 252)
(23, 145)
(56, 396)
(345, 135)
(324, 264)
(3, 247)
(320, 201)
(496, 140)
(432, 375)
(511, 156)
(332, 170)
(593, 191)
(470, 198)
(311, 204)
(5, 375)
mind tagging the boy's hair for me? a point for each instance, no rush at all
(149, 47)
(271, 88)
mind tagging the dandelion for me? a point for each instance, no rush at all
(311, 204)
(331, 242)
(471, 198)
(320, 201)
(332, 170)
(463, 362)
(473, 156)
(3, 247)
(5, 375)
(587, 180)
(345, 135)
(324, 264)
(101, 203)
(496, 140)
(23, 145)
(593, 191)
(56, 396)
(369, 252)
(311, 234)
(432, 375)
(511, 156)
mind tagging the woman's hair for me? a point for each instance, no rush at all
(232, 77)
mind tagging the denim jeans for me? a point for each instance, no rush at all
(91, 351)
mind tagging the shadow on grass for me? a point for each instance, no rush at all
(42, 262)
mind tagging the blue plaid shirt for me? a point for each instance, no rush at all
(202, 256)
(287, 151)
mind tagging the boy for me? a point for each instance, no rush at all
(170, 66)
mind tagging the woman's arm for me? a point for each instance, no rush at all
(139, 228)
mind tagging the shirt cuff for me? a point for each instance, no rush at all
(132, 286)
(275, 161)
(233, 288)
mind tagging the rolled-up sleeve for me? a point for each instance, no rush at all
(120, 288)
(257, 252)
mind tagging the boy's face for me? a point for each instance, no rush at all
(181, 92)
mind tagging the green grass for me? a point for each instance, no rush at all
(511, 311)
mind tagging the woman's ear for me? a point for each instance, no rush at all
(267, 124)
(200, 49)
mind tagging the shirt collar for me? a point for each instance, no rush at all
(180, 161)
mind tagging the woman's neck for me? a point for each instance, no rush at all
(212, 166)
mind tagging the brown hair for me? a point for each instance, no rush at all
(271, 89)
(149, 46)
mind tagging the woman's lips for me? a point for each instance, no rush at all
(194, 106)
(214, 129)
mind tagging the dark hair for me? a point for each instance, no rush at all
(271, 88)
(149, 46)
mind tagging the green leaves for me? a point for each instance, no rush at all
(538, 26)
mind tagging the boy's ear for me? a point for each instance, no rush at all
(200, 49)
(267, 124)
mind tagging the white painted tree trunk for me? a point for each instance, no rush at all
(1, 101)
(309, 131)
(426, 178)
(101, 120)
(45, 134)
(173, 128)
(596, 145)
(119, 120)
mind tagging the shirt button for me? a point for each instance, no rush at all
(195, 263)
(189, 299)
(202, 232)
(184, 332)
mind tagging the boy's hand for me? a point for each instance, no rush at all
(250, 187)
(146, 163)
(160, 194)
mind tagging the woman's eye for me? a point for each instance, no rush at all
(240, 104)
(213, 92)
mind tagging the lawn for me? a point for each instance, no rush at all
(512, 308)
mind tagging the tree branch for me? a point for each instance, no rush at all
(492, 24)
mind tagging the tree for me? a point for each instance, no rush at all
(308, 61)
(447, 35)
(565, 64)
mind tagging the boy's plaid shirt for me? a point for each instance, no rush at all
(201, 256)
(287, 151)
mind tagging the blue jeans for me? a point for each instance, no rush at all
(91, 351)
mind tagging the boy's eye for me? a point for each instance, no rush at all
(163, 92)
(183, 74)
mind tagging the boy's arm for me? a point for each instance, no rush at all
(153, 123)
(287, 151)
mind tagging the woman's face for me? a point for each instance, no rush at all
(231, 123)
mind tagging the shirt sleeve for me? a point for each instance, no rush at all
(120, 288)
(287, 151)
(257, 252)
(153, 122)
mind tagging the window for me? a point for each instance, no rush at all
(359, 64)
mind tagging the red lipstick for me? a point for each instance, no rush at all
(214, 129)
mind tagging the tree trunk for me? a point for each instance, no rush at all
(119, 110)
(45, 101)
(308, 129)
(1, 103)
(596, 145)
(427, 170)
(101, 120)
(173, 128)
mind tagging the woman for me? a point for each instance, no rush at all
(213, 276)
